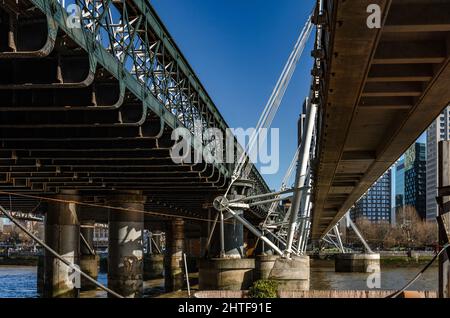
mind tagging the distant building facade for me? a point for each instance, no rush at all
(375, 205)
(398, 187)
(439, 130)
(400, 183)
(100, 235)
(415, 178)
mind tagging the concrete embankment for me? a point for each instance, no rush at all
(392, 260)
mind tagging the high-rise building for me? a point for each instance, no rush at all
(400, 183)
(439, 130)
(375, 205)
(415, 178)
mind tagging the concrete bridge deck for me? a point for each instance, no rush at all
(381, 88)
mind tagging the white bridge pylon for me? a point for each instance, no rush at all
(286, 232)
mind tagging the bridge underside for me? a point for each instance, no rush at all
(383, 88)
(66, 123)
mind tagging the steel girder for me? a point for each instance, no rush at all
(130, 41)
(143, 88)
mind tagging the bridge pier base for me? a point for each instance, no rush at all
(125, 258)
(229, 271)
(62, 234)
(357, 263)
(173, 260)
(291, 274)
(264, 265)
(226, 273)
(88, 262)
(153, 266)
(40, 275)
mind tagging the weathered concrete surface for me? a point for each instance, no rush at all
(153, 266)
(291, 274)
(264, 265)
(173, 260)
(360, 263)
(226, 273)
(40, 275)
(125, 258)
(90, 265)
(62, 234)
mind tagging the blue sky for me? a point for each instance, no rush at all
(238, 49)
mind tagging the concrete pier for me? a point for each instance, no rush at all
(173, 260)
(204, 233)
(89, 261)
(264, 265)
(62, 234)
(153, 266)
(125, 259)
(234, 237)
(229, 269)
(360, 263)
(226, 274)
(291, 274)
(40, 280)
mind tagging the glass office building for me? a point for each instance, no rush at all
(415, 178)
(375, 205)
(439, 130)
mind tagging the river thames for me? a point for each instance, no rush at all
(20, 281)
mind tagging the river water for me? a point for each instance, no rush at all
(391, 278)
(20, 282)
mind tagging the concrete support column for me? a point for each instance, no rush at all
(357, 263)
(291, 274)
(226, 273)
(233, 233)
(62, 234)
(89, 261)
(153, 261)
(153, 266)
(125, 257)
(230, 269)
(40, 281)
(234, 237)
(12, 33)
(263, 265)
(203, 239)
(173, 261)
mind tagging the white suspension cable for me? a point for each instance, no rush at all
(284, 183)
(274, 101)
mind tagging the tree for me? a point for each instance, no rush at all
(410, 231)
